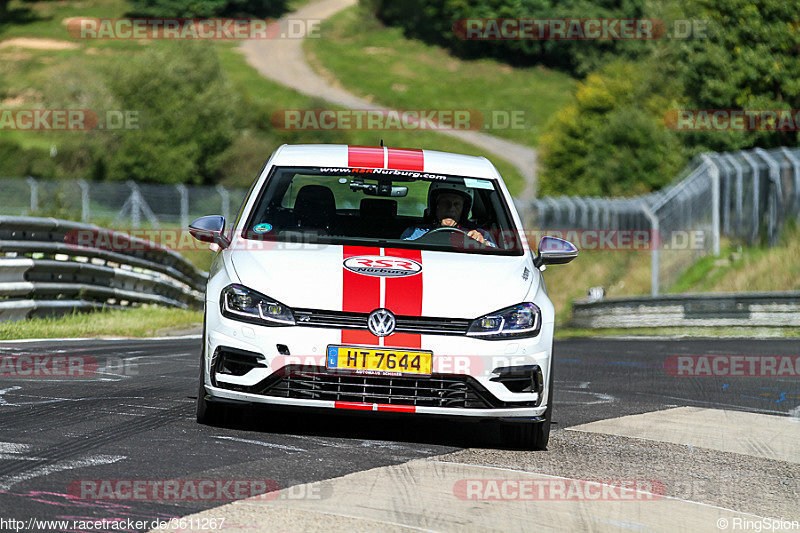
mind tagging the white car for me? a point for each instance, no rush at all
(379, 279)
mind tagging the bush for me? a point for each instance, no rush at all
(611, 139)
(187, 113)
(16, 161)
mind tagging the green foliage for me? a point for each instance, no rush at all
(433, 20)
(611, 139)
(16, 161)
(187, 115)
(206, 8)
(750, 59)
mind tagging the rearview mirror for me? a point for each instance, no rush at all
(209, 229)
(379, 189)
(555, 251)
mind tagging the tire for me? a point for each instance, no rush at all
(206, 412)
(532, 435)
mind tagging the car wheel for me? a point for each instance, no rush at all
(206, 412)
(532, 435)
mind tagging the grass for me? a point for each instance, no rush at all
(747, 269)
(379, 63)
(620, 273)
(145, 321)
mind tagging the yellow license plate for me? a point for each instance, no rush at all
(387, 361)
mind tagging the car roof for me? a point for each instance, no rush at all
(342, 155)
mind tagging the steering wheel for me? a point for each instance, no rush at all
(467, 242)
(446, 228)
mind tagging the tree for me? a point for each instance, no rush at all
(187, 113)
(749, 59)
(611, 139)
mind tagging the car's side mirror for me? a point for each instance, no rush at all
(554, 251)
(209, 229)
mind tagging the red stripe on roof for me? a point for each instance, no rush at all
(365, 157)
(403, 159)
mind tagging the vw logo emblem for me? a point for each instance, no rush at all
(381, 322)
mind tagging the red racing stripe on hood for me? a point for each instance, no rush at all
(360, 294)
(404, 297)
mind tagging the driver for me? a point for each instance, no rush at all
(448, 205)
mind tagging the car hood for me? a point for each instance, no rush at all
(407, 282)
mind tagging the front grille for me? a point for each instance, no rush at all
(429, 391)
(404, 324)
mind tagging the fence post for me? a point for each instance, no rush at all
(184, 194)
(739, 191)
(34, 194)
(85, 213)
(655, 247)
(796, 167)
(756, 192)
(714, 175)
(775, 198)
(226, 201)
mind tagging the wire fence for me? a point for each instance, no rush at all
(746, 196)
(114, 204)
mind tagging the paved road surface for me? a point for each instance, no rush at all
(133, 419)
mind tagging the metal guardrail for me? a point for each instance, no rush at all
(781, 309)
(46, 269)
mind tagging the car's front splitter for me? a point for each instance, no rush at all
(505, 413)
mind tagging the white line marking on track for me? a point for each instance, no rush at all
(261, 443)
(77, 339)
(3, 401)
(13, 447)
(719, 404)
(94, 460)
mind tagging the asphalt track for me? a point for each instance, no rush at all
(133, 419)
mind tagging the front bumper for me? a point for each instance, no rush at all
(303, 349)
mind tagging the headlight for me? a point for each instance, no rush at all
(240, 303)
(522, 320)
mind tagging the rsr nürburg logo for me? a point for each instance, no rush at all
(382, 266)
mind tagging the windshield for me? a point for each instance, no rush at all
(382, 207)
